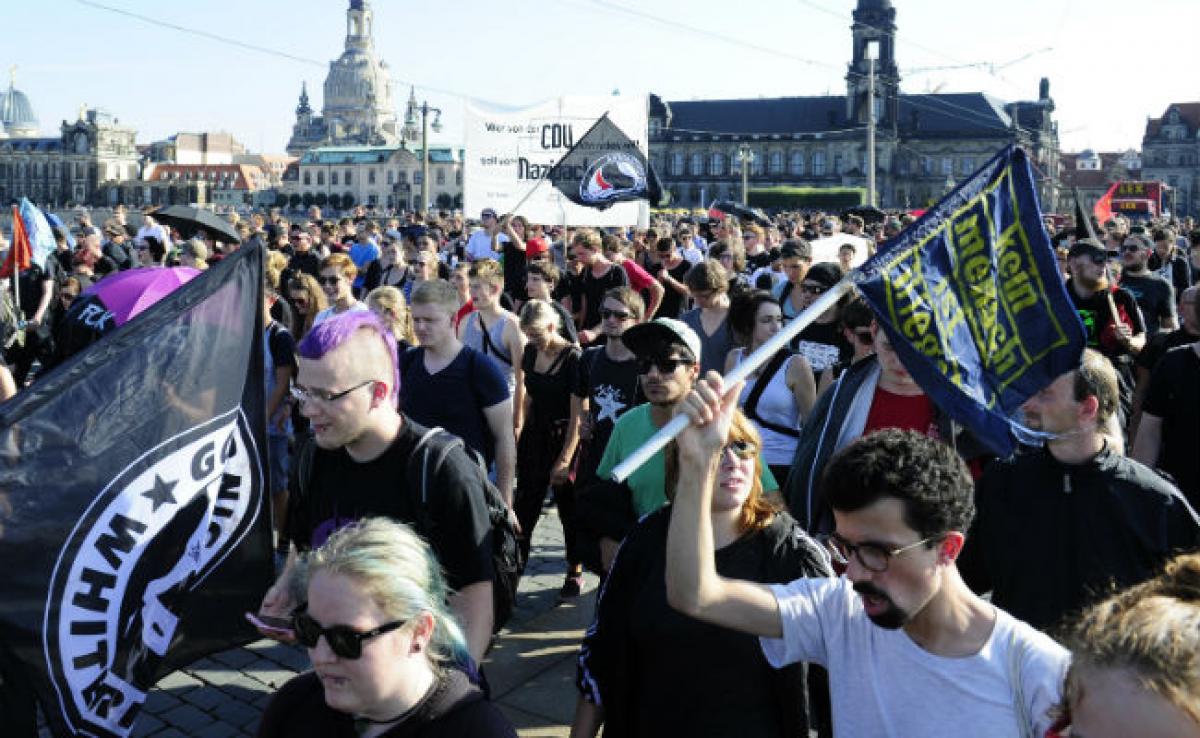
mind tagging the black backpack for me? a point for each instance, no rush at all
(427, 457)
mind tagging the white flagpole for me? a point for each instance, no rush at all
(764, 353)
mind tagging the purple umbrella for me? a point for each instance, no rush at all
(127, 294)
(113, 302)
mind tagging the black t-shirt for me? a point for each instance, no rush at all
(672, 302)
(1174, 396)
(611, 388)
(823, 345)
(757, 261)
(1154, 296)
(1158, 347)
(1175, 270)
(514, 271)
(342, 491)
(594, 288)
(1097, 318)
(32, 282)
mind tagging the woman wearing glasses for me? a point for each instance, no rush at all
(646, 669)
(386, 653)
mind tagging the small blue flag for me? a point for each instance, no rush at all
(41, 239)
(971, 298)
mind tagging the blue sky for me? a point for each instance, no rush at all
(1109, 67)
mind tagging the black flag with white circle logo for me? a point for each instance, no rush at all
(606, 167)
(133, 521)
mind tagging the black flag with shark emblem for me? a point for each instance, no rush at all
(606, 167)
(133, 524)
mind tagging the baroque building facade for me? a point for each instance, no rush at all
(376, 176)
(358, 107)
(1171, 154)
(85, 164)
(925, 143)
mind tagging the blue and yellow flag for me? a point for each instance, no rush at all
(971, 298)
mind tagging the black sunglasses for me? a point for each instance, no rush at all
(665, 366)
(328, 280)
(618, 314)
(342, 639)
(814, 289)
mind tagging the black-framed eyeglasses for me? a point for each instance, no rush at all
(618, 314)
(1098, 259)
(1131, 248)
(872, 556)
(343, 640)
(665, 366)
(329, 280)
(304, 395)
(814, 289)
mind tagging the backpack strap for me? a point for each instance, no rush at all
(760, 385)
(488, 346)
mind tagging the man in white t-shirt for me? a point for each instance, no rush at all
(484, 242)
(910, 650)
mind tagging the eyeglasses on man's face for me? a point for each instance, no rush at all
(330, 280)
(305, 395)
(873, 556)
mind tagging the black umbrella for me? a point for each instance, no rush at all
(732, 208)
(869, 213)
(190, 220)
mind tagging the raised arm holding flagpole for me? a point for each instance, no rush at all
(971, 299)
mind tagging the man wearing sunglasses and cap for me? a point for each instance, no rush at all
(1111, 316)
(667, 352)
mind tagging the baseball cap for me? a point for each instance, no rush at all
(646, 339)
(487, 212)
(535, 247)
(1086, 247)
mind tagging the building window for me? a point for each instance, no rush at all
(655, 126)
(307, 178)
(797, 165)
(926, 166)
(391, 178)
(320, 178)
(759, 165)
(370, 176)
(348, 178)
(716, 165)
(416, 178)
(402, 177)
(458, 178)
(441, 176)
(947, 165)
(677, 163)
(818, 167)
(967, 165)
(837, 163)
(333, 178)
(775, 162)
(697, 164)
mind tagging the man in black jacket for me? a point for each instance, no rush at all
(1058, 526)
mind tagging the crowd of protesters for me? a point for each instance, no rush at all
(824, 551)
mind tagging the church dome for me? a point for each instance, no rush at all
(16, 114)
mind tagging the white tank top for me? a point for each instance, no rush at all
(776, 405)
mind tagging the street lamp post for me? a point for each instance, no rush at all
(746, 158)
(425, 110)
(870, 54)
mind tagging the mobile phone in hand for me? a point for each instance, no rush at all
(270, 623)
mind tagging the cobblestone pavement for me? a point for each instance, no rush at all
(530, 668)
